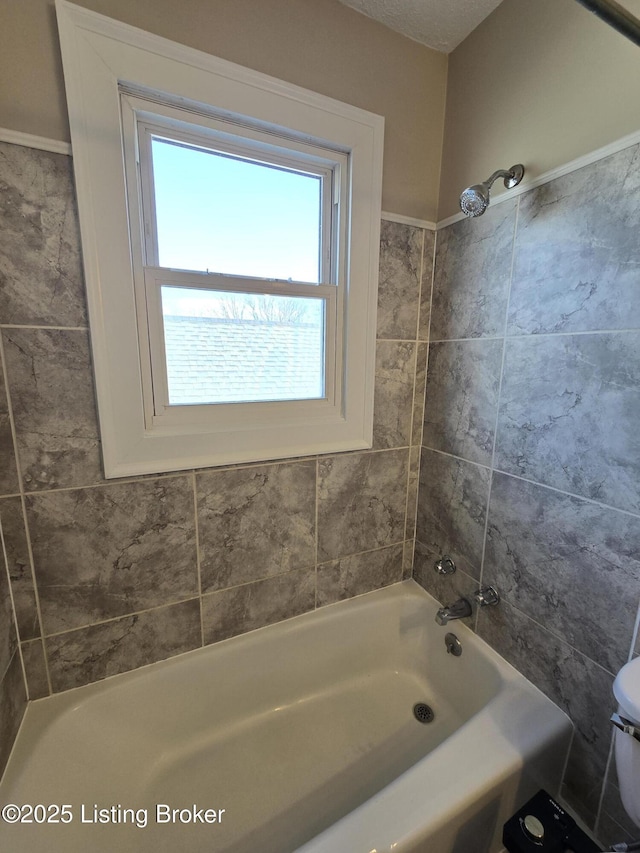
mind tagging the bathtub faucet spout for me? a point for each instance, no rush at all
(458, 610)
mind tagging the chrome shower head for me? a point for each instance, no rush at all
(475, 200)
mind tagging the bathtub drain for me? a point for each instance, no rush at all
(423, 712)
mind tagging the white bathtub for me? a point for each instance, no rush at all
(303, 733)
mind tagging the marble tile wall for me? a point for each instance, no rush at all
(530, 473)
(109, 576)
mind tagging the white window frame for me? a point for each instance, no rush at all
(117, 76)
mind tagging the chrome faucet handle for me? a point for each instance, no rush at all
(445, 565)
(487, 596)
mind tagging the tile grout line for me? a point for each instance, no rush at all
(534, 336)
(27, 531)
(36, 591)
(113, 619)
(605, 777)
(420, 283)
(185, 472)
(460, 458)
(498, 400)
(427, 343)
(316, 537)
(397, 340)
(559, 638)
(214, 592)
(198, 560)
(537, 483)
(18, 649)
(44, 328)
(413, 410)
(142, 478)
(573, 495)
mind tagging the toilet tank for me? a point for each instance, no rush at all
(626, 689)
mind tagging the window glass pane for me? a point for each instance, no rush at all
(223, 214)
(242, 348)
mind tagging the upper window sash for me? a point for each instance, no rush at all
(255, 155)
(142, 120)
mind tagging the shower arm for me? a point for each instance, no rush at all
(500, 173)
(616, 16)
(512, 177)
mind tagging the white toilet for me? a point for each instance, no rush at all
(626, 689)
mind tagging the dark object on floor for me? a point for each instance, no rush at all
(543, 826)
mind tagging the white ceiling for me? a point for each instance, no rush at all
(440, 24)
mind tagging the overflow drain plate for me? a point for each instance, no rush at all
(423, 712)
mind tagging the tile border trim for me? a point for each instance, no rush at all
(29, 140)
(408, 220)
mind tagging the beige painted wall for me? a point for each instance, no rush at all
(319, 44)
(540, 82)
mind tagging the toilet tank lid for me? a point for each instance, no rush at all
(626, 689)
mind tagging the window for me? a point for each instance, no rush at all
(230, 227)
(239, 283)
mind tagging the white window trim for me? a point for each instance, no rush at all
(99, 56)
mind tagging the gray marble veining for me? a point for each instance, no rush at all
(255, 522)
(93, 653)
(571, 565)
(361, 502)
(104, 552)
(393, 398)
(463, 379)
(578, 685)
(472, 275)
(40, 262)
(52, 395)
(111, 550)
(452, 507)
(9, 482)
(569, 413)
(14, 536)
(577, 256)
(243, 608)
(360, 573)
(399, 281)
(566, 431)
